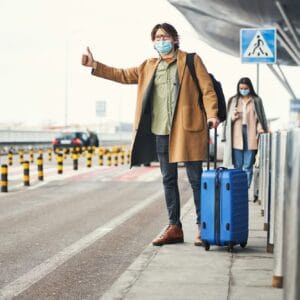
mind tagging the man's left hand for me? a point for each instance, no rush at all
(213, 122)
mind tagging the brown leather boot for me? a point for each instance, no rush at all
(173, 234)
(198, 241)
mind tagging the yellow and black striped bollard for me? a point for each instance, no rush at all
(49, 154)
(109, 159)
(40, 152)
(90, 149)
(83, 151)
(100, 154)
(75, 160)
(60, 163)
(26, 175)
(31, 155)
(4, 181)
(116, 159)
(40, 168)
(122, 157)
(65, 153)
(10, 158)
(128, 157)
(89, 157)
(78, 150)
(21, 156)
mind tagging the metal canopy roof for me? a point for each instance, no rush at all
(218, 22)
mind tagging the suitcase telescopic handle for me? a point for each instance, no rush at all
(209, 126)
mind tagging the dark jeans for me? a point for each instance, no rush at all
(170, 180)
(244, 159)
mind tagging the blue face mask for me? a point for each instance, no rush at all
(245, 92)
(163, 47)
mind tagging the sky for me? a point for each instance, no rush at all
(43, 82)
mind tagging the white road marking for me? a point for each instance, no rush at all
(150, 176)
(35, 183)
(39, 272)
(51, 175)
(121, 286)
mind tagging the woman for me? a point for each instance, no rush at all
(246, 119)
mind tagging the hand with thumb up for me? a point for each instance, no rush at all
(87, 59)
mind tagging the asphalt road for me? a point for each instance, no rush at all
(72, 235)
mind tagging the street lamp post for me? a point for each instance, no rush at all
(66, 82)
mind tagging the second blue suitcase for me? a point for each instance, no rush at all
(224, 208)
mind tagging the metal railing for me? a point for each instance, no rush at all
(16, 139)
(291, 233)
(280, 200)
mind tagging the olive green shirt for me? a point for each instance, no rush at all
(163, 93)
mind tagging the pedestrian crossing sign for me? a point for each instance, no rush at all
(258, 45)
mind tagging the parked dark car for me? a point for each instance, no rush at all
(66, 140)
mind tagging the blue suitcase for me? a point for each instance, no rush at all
(224, 208)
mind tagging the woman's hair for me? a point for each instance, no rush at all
(168, 28)
(245, 80)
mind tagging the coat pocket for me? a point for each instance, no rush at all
(192, 118)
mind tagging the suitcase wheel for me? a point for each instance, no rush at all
(230, 248)
(243, 245)
(206, 246)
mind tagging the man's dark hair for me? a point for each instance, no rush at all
(168, 28)
(245, 80)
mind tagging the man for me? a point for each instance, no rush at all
(93, 138)
(169, 123)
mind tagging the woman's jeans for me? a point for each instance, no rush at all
(170, 180)
(244, 159)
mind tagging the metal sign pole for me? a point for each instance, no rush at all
(257, 79)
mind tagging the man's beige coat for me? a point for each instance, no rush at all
(188, 136)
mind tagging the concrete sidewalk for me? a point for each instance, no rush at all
(183, 271)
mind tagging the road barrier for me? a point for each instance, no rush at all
(128, 157)
(111, 155)
(272, 190)
(21, 156)
(75, 159)
(116, 159)
(100, 155)
(65, 153)
(122, 157)
(279, 151)
(10, 158)
(89, 158)
(279, 194)
(4, 181)
(291, 236)
(60, 163)
(40, 168)
(264, 176)
(49, 154)
(109, 159)
(26, 174)
(31, 155)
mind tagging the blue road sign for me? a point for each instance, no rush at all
(295, 105)
(258, 45)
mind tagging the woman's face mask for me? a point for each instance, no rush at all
(244, 92)
(163, 46)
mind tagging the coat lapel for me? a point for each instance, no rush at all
(148, 90)
(181, 58)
